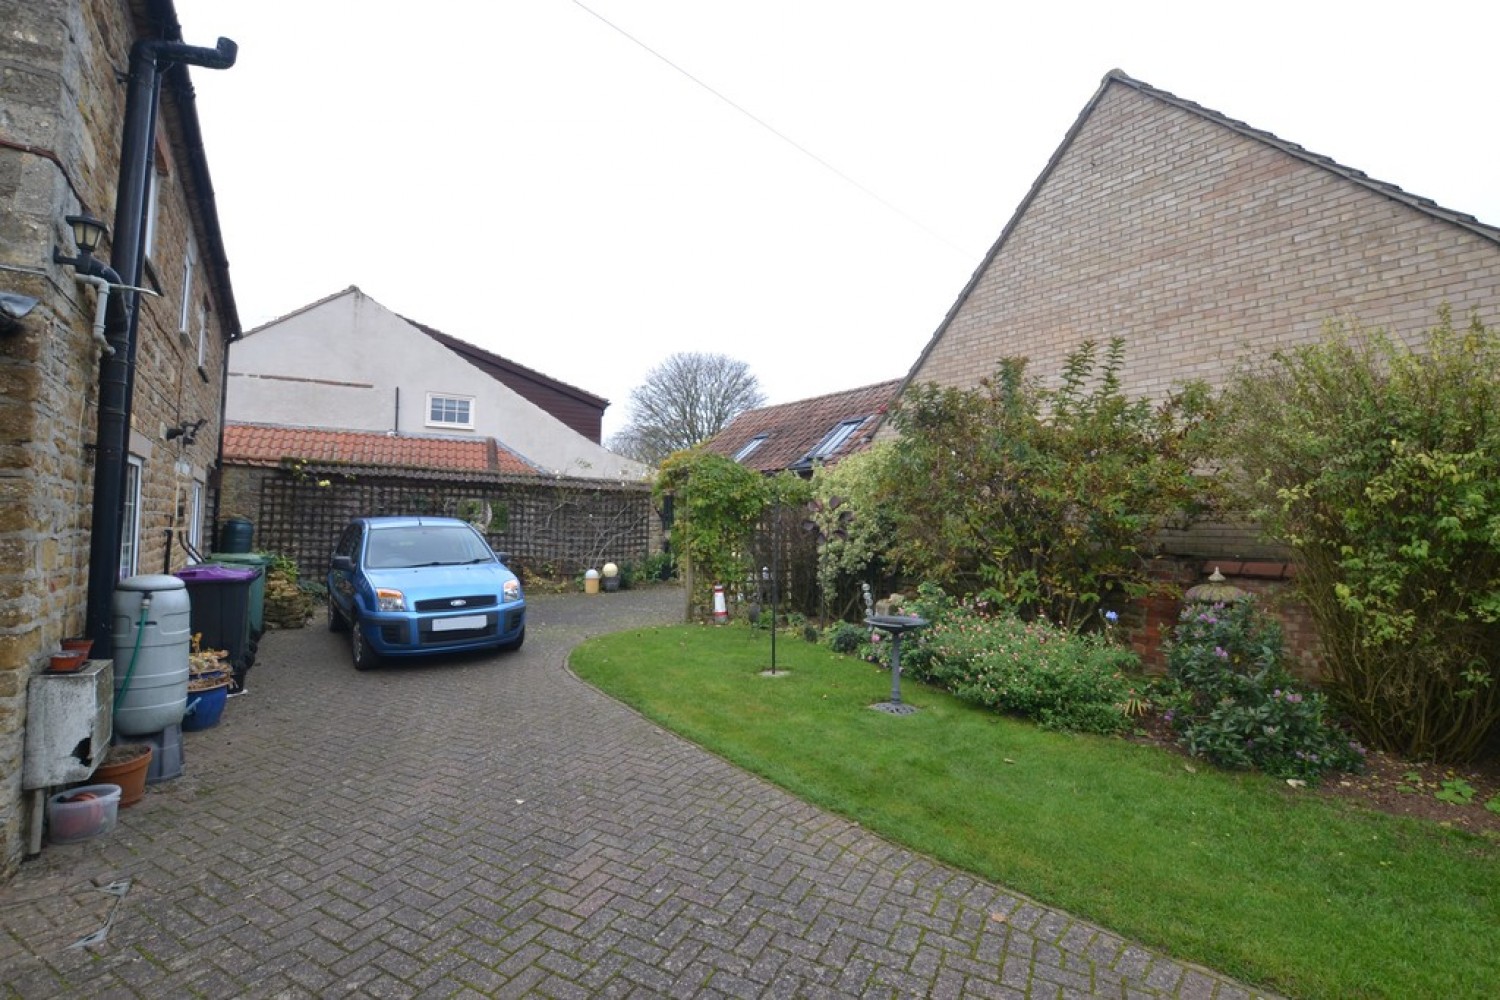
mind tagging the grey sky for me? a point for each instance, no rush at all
(520, 174)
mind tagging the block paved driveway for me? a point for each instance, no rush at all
(490, 826)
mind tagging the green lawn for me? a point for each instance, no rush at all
(1237, 872)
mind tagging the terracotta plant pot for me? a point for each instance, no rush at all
(65, 663)
(78, 645)
(126, 765)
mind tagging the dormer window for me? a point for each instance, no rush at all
(749, 447)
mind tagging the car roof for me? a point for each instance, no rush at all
(405, 521)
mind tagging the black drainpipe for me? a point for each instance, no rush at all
(149, 59)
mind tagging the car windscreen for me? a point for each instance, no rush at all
(425, 545)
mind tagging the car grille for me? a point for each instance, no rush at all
(514, 620)
(469, 601)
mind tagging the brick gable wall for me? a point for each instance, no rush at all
(1201, 246)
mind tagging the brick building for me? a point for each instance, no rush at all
(1203, 242)
(72, 70)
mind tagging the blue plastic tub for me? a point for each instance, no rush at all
(204, 708)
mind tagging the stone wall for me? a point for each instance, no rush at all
(60, 137)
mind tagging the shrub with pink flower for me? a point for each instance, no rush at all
(1235, 704)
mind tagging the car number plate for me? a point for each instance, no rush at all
(457, 624)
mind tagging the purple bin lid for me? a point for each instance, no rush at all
(215, 573)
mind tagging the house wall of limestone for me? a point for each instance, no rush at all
(60, 140)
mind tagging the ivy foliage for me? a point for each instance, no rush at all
(1380, 466)
(1044, 499)
(851, 520)
(719, 505)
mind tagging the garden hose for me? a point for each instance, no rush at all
(140, 630)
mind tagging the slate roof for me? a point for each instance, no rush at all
(793, 430)
(269, 445)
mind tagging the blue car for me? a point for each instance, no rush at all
(413, 586)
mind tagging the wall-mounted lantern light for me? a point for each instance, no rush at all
(88, 233)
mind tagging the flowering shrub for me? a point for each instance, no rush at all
(1046, 672)
(1235, 704)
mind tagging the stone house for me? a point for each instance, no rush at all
(89, 492)
(799, 435)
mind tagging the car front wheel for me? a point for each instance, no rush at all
(359, 647)
(514, 644)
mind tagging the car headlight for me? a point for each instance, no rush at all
(512, 590)
(389, 600)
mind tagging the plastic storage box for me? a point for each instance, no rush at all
(81, 813)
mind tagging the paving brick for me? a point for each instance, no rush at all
(383, 852)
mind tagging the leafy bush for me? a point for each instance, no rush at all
(1237, 706)
(845, 637)
(1043, 499)
(1380, 466)
(657, 566)
(1046, 672)
(852, 524)
(719, 504)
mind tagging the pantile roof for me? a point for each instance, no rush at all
(269, 445)
(790, 432)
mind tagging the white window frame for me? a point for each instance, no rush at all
(189, 264)
(750, 447)
(202, 335)
(443, 398)
(130, 521)
(835, 438)
(195, 516)
(153, 205)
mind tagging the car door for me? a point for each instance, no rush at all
(341, 578)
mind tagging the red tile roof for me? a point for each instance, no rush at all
(265, 445)
(792, 430)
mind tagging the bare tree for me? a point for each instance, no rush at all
(685, 400)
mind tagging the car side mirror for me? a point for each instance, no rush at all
(502, 556)
(342, 563)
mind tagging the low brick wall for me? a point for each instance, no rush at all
(1149, 622)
